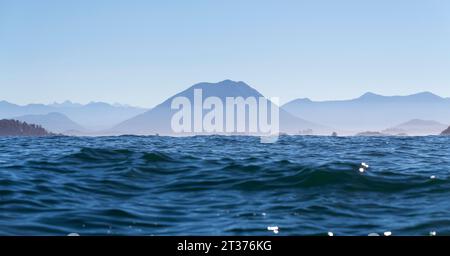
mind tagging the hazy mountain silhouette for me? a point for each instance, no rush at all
(66, 104)
(372, 111)
(93, 116)
(18, 128)
(158, 119)
(417, 127)
(53, 122)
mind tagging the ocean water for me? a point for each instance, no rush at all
(215, 185)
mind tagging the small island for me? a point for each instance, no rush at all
(18, 128)
(446, 132)
(370, 134)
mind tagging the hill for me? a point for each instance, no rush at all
(417, 127)
(54, 122)
(18, 128)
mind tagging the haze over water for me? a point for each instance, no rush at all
(217, 185)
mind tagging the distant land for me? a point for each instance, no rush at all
(54, 122)
(417, 127)
(18, 128)
(373, 112)
(158, 119)
(371, 133)
(94, 116)
(446, 132)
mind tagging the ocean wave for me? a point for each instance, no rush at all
(223, 185)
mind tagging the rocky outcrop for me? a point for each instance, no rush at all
(18, 128)
(446, 132)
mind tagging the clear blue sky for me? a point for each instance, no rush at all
(140, 52)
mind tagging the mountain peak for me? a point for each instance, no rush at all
(224, 83)
(98, 104)
(426, 95)
(369, 95)
(66, 103)
(229, 81)
(225, 88)
(4, 102)
(301, 101)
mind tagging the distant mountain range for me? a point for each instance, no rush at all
(93, 116)
(422, 114)
(158, 119)
(373, 112)
(54, 122)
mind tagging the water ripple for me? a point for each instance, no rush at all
(224, 185)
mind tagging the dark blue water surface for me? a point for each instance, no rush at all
(217, 185)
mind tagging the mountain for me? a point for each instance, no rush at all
(446, 132)
(158, 119)
(93, 116)
(66, 104)
(417, 127)
(54, 122)
(372, 111)
(18, 128)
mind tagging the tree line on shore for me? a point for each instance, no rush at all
(18, 128)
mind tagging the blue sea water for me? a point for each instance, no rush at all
(216, 185)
